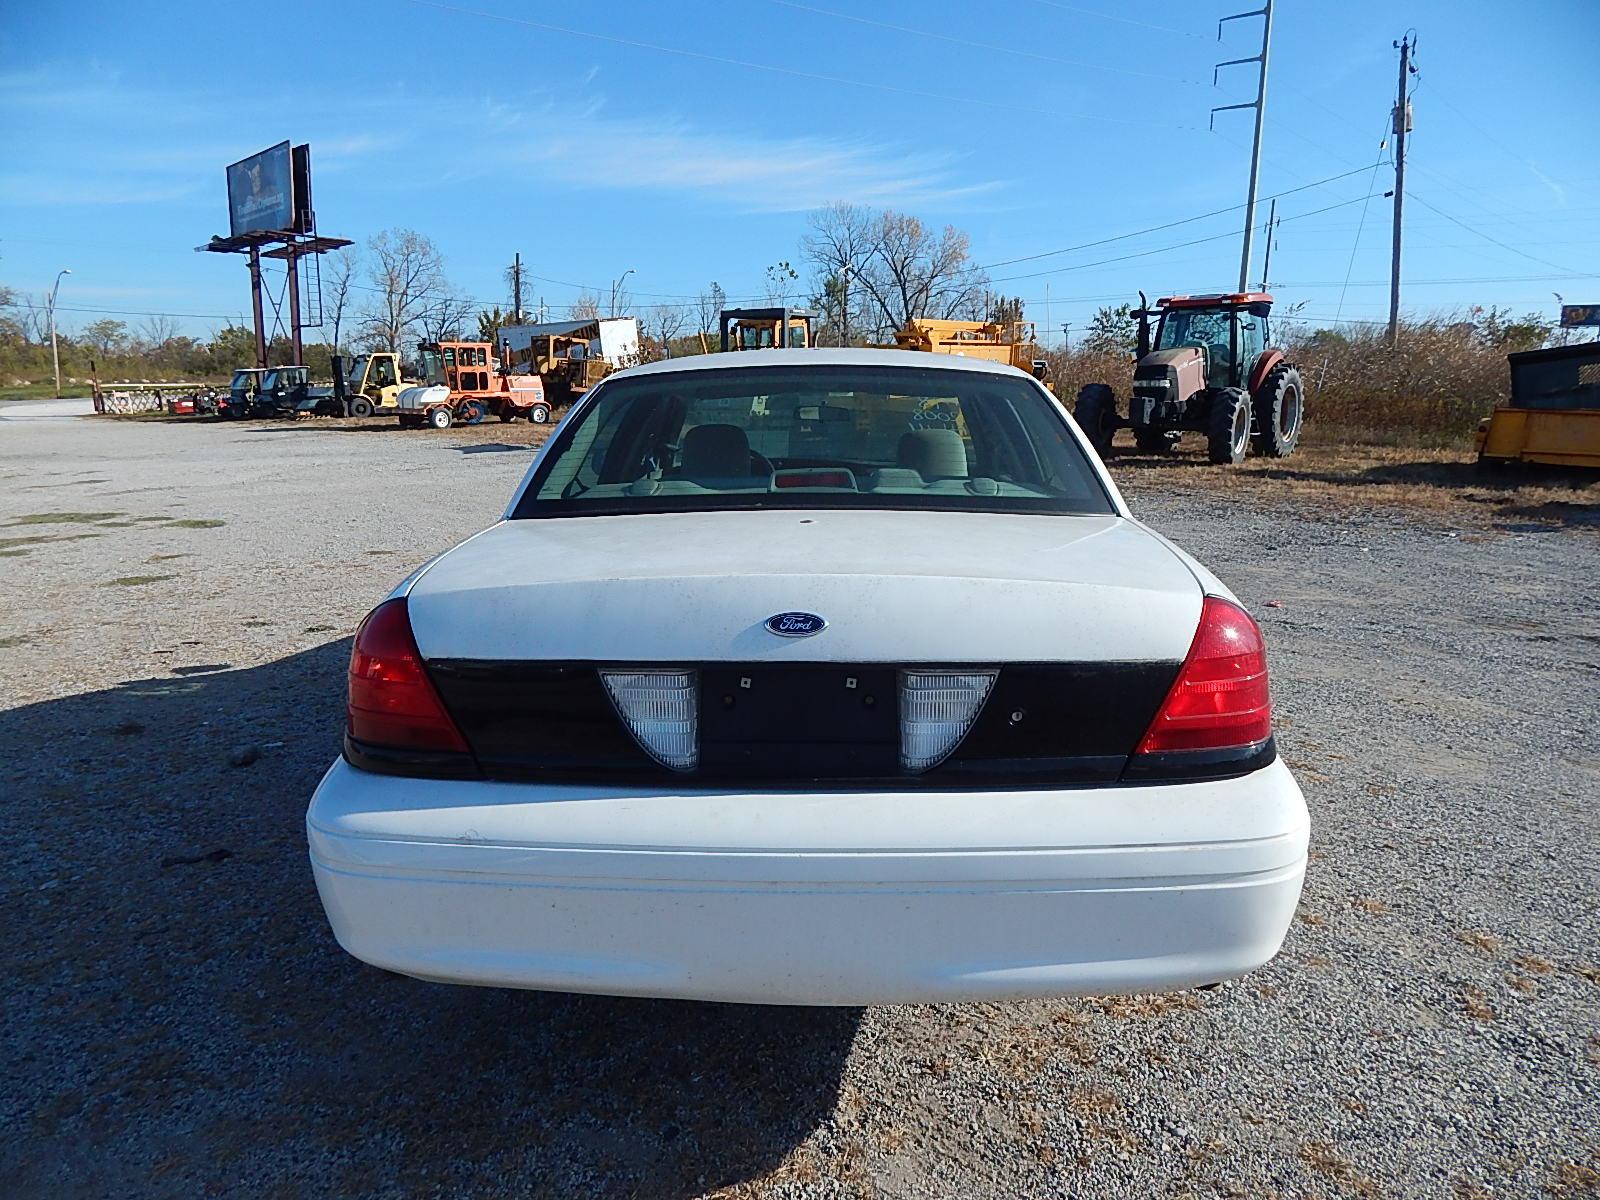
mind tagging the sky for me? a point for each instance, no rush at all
(688, 142)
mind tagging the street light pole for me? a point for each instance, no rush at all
(55, 353)
(615, 284)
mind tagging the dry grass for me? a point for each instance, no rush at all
(1476, 1005)
(1534, 965)
(1522, 984)
(1321, 1158)
(1574, 1179)
(1372, 906)
(1484, 943)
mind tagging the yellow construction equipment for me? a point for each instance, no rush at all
(1013, 342)
(1554, 414)
(767, 328)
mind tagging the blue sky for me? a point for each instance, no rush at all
(688, 142)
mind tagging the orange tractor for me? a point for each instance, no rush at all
(1210, 370)
(463, 383)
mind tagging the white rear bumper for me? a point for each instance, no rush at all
(810, 898)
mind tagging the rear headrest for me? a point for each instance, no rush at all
(934, 453)
(715, 452)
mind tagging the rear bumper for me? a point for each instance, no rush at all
(819, 898)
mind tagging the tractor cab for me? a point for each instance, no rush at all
(242, 391)
(1229, 329)
(767, 328)
(459, 366)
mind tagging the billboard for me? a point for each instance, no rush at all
(1573, 315)
(261, 192)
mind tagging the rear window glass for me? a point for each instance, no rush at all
(815, 437)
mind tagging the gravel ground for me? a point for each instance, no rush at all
(178, 1020)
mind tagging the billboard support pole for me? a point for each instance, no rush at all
(293, 264)
(255, 307)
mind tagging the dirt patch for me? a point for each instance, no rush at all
(64, 518)
(197, 523)
(1447, 483)
(135, 580)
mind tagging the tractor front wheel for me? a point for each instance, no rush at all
(539, 414)
(361, 407)
(1096, 413)
(1228, 429)
(1279, 405)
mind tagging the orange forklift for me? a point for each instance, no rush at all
(463, 383)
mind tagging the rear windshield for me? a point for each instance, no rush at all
(815, 437)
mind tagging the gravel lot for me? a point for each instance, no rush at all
(178, 1020)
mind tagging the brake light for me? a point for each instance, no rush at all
(391, 701)
(1219, 700)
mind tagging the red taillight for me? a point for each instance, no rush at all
(1219, 700)
(392, 702)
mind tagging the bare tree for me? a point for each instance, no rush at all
(915, 273)
(585, 308)
(888, 267)
(839, 240)
(407, 274)
(338, 278)
(442, 319)
(156, 330)
(666, 322)
(708, 306)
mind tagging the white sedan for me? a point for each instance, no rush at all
(812, 677)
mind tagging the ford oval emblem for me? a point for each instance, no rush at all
(795, 624)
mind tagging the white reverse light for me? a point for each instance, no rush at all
(936, 710)
(662, 711)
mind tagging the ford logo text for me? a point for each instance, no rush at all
(795, 624)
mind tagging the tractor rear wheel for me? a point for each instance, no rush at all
(1096, 413)
(1228, 428)
(1279, 405)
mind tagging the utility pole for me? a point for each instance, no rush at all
(55, 353)
(844, 303)
(1402, 126)
(1272, 227)
(615, 284)
(1066, 336)
(1260, 105)
(516, 289)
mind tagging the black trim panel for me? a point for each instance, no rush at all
(417, 764)
(1189, 766)
(796, 725)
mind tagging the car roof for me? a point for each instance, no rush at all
(825, 357)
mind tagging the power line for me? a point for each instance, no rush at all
(1544, 262)
(1164, 249)
(1356, 244)
(1007, 262)
(793, 72)
(1087, 12)
(971, 45)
